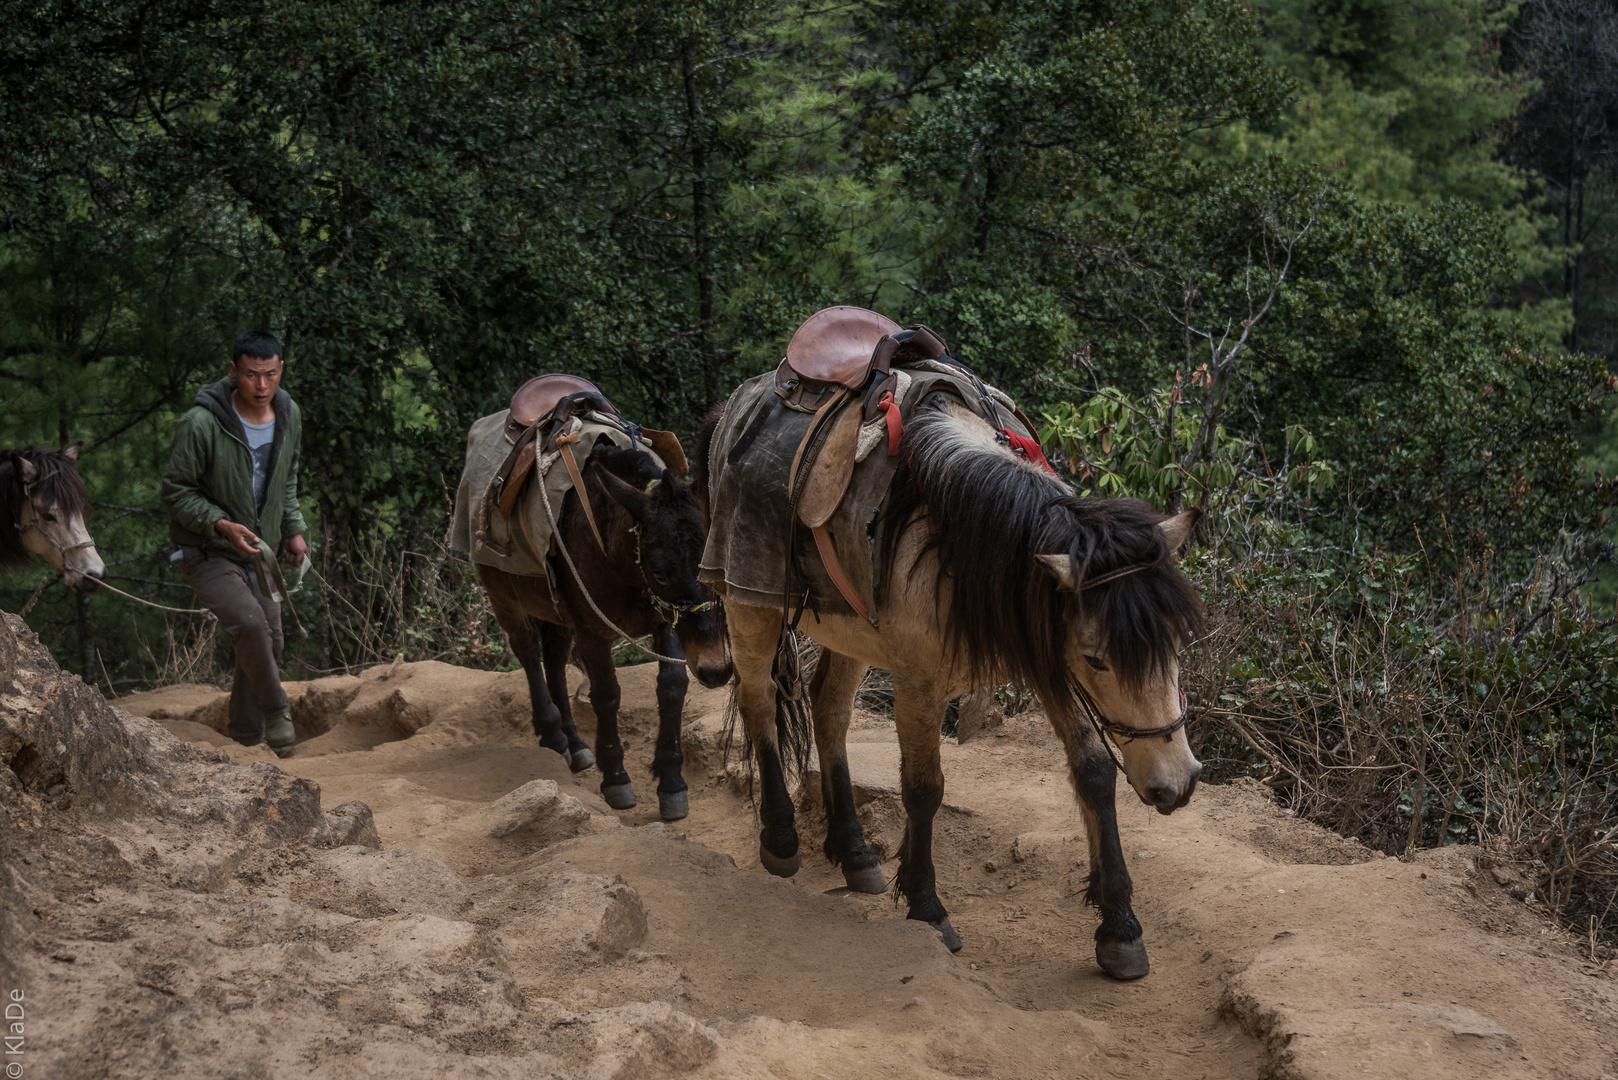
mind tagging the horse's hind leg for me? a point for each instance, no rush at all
(831, 693)
(596, 655)
(557, 642)
(753, 635)
(522, 632)
(672, 801)
(918, 713)
(1119, 948)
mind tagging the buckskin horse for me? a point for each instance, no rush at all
(995, 571)
(632, 529)
(43, 504)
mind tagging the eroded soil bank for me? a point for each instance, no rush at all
(422, 891)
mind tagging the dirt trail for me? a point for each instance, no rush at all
(593, 943)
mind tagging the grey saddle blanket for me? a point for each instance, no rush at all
(524, 544)
(747, 538)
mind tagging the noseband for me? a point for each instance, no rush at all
(33, 525)
(1105, 727)
(671, 611)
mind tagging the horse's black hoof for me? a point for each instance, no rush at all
(1123, 960)
(952, 940)
(778, 866)
(870, 880)
(580, 759)
(673, 806)
(619, 796)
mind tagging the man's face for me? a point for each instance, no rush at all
(256, 379)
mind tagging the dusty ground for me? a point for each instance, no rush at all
(511, 925)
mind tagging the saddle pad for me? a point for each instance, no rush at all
(746, 550)
(524, 544)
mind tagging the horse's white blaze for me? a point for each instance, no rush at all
(58, 542)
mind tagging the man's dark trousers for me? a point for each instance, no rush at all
(230, 590)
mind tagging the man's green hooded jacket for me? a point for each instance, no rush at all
(210, 474)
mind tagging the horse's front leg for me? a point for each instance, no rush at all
(831, 694)
(753, 635)
(918, 713)
(596, 655)
(672, 801)
(1119, 948)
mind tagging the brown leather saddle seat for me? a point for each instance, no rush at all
(538, 398)
(836, 344)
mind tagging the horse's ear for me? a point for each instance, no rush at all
(72, 452)
(1178, 528)
(1060, 568)
(27, 471)
(628, 496)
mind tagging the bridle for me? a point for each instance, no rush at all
(1105, 727)
(33, 524)
(672, 611)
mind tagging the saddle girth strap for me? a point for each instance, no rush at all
(828, 555)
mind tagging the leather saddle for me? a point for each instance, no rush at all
(839, 366)
(541, 422)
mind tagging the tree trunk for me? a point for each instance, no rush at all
(711, 383)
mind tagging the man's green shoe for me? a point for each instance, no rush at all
(279, 734)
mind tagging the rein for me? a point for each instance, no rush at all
(102, 583)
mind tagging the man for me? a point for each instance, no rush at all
(232, 479)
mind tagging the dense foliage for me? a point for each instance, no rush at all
(1339, 270)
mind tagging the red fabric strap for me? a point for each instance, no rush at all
(1028, 448)
(896, 426)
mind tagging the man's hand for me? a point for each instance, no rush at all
(293, 549)
(240, 535)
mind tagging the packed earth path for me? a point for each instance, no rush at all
(500, 921)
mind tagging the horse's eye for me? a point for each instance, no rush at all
(660, 579)
(49, 517)
(1096, 663)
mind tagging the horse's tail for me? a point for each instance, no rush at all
(794, 727)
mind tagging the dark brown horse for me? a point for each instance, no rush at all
(996, 571)
(645, 581)
(43, 505)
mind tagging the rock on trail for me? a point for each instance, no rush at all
(422, 891)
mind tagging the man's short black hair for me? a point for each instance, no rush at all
(255, 343)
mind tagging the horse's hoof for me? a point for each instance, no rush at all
(1123, 960)
(778, 866)
(952, 940)
(674, 806)
(580, 759)
(870, 880)
(619, 796)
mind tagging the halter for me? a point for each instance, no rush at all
(671, 611)
(28, 497)
(1105, 727)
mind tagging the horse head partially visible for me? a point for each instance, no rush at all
(669, 537)
(1079, 598)
(43, 506)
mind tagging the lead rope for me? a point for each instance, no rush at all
(103, 583)
(556, 531)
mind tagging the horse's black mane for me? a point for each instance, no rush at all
(59, 483)
(1007, 618)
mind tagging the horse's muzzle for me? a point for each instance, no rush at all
(713, 676)
(1166, 799)
(87, 582)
